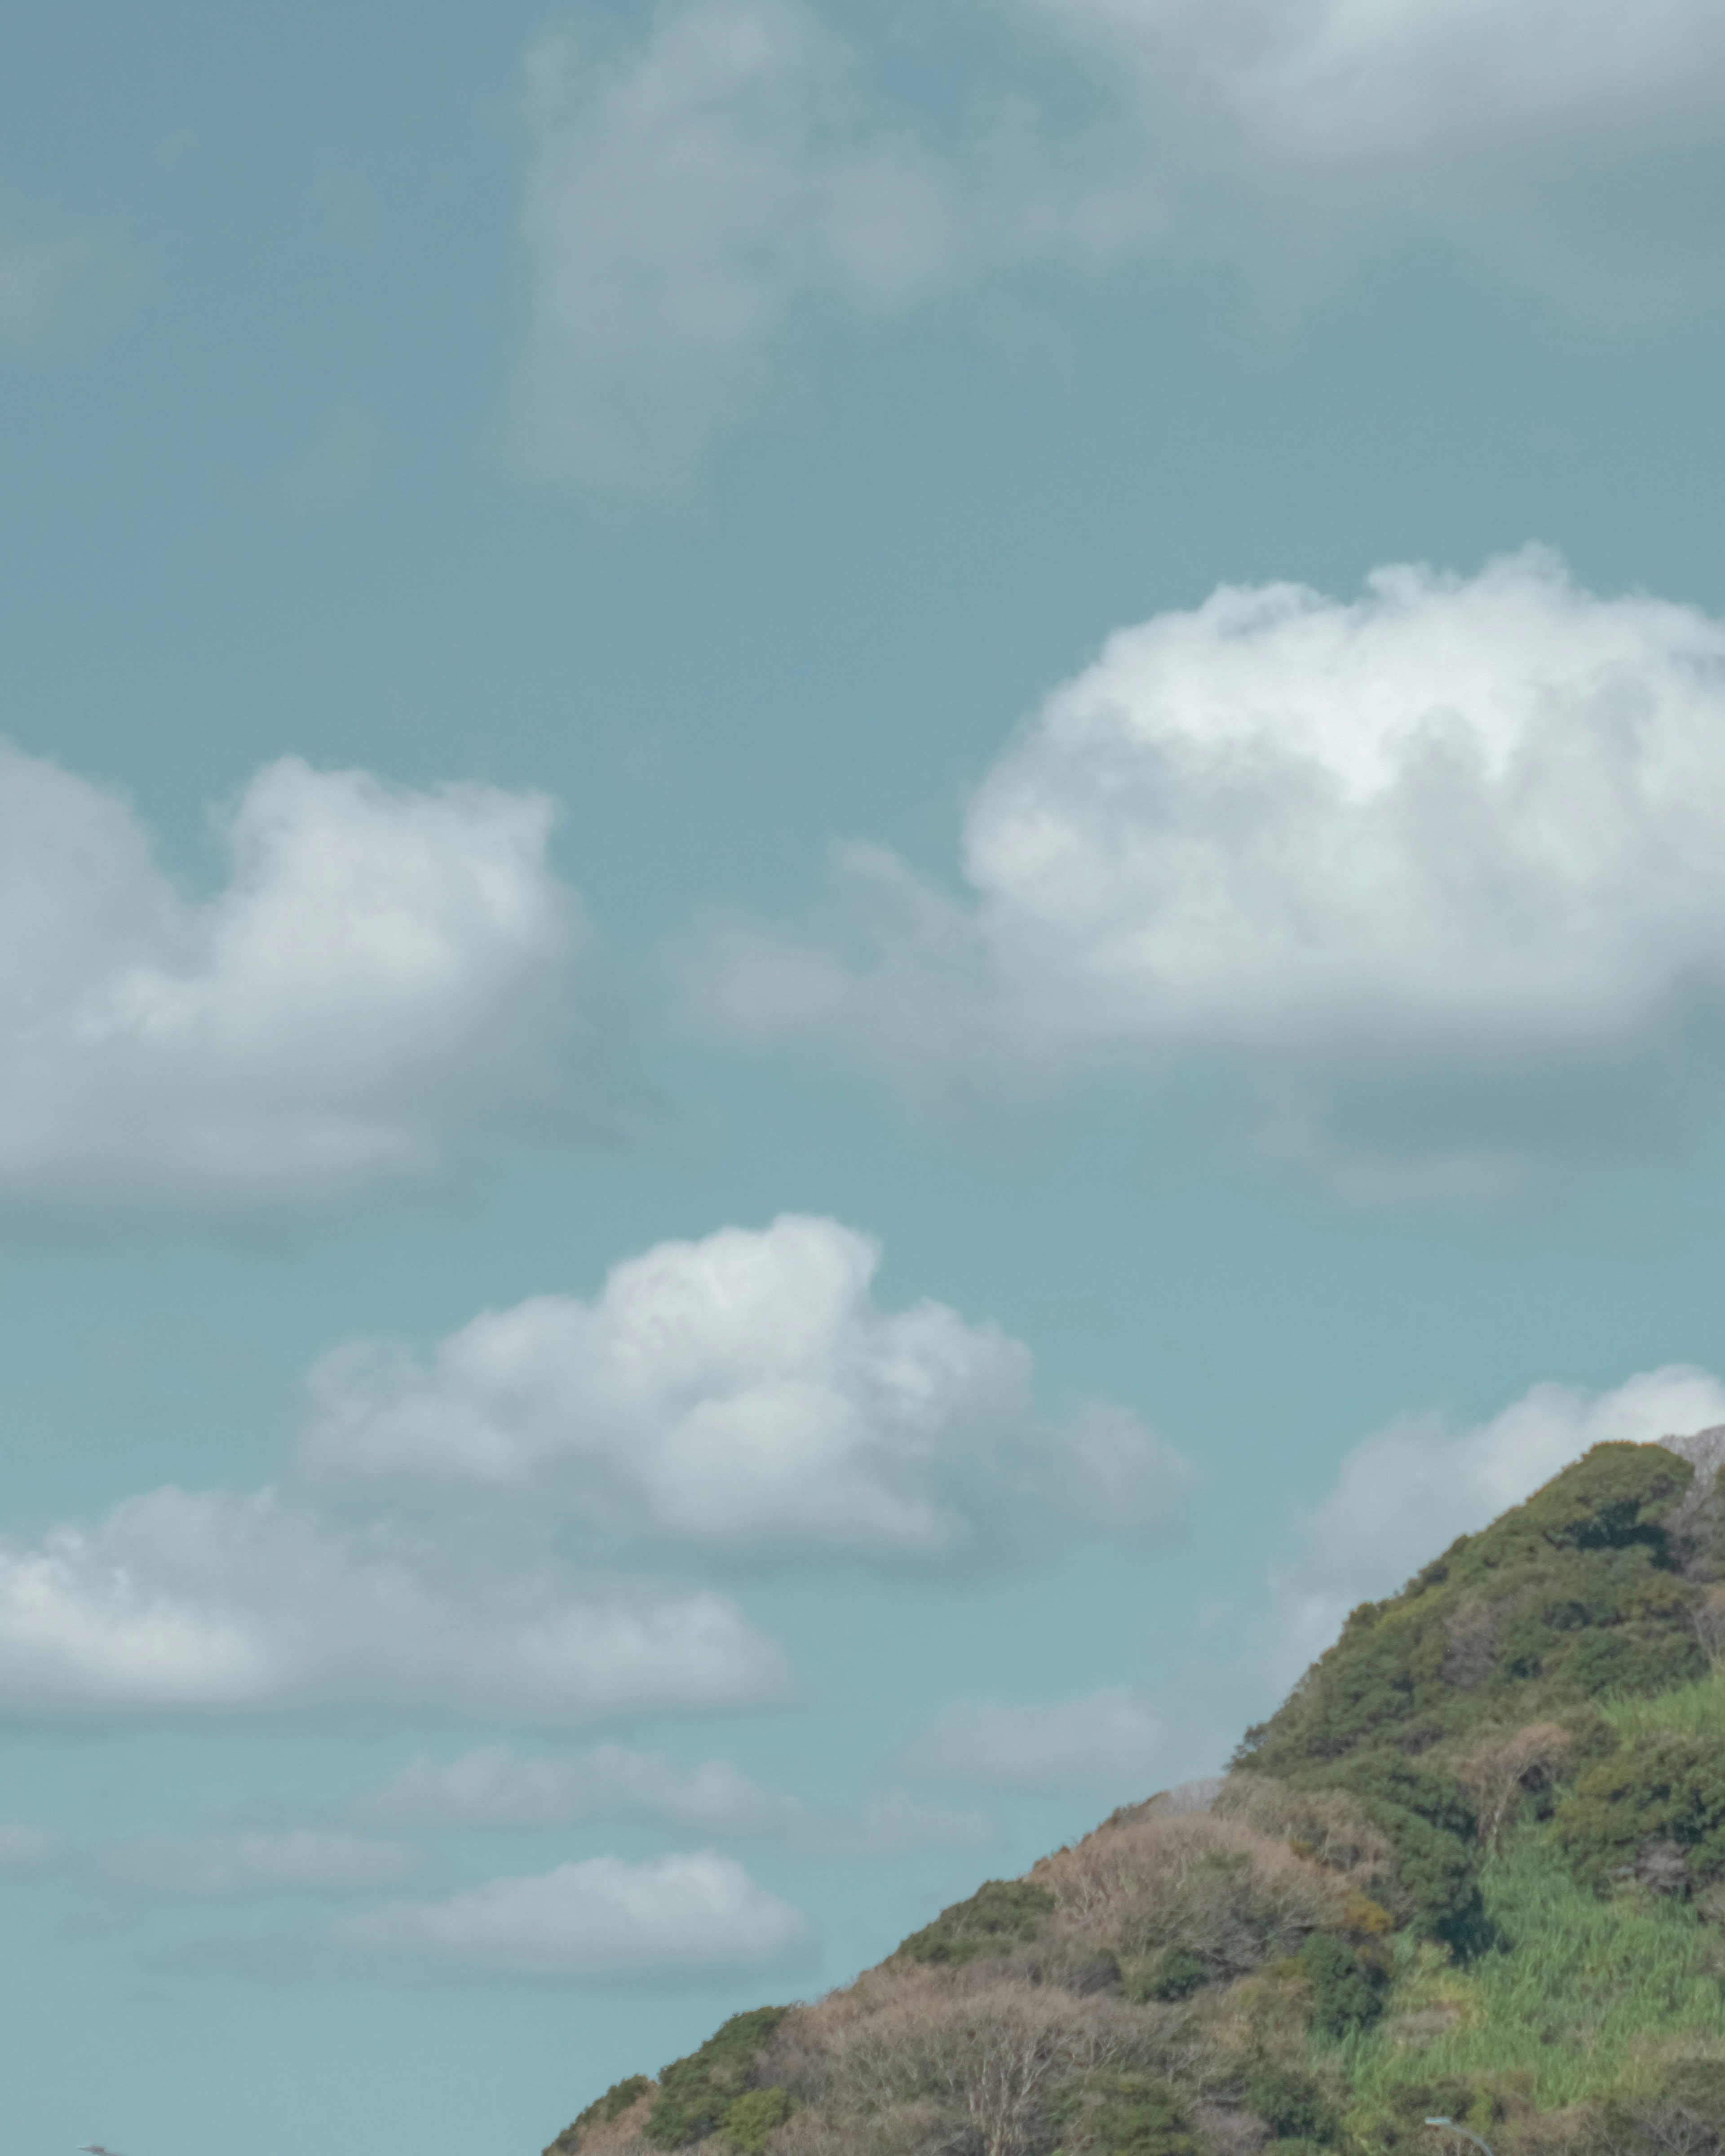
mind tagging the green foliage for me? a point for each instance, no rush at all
(1690, 1710)
(1538, 1688)
(1670, 1792)
(1292, 2104)
(616, 2100)
(1617, 1496)
(1142, 2115)
(1431, 1823)
(753, 2117)
(696, 2093)
(1569, 2000)
(1002, 1912)
(1176, 1972)
(1346, 1990)
(1571, 1596)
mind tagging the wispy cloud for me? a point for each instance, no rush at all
(1112, 1744)
(602, 1920)
(65, 282)
(696, 197)
(615, 1784)
(248, 1864)
(699, 196)
(337, 466)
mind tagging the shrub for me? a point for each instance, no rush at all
(752, 2118)
(696, 2093)
(1142, 2115)
(1001, 1914)
(1347, 1992)
(1175, 1973)
(619, 2098)
(1431, 1827)
(1498, 1773)
(1685, 2117)
(1001, 2061)
(1224, 1895)
(1290, 2103)
(1670, 1791)
(1615, 1496)
(1571, 1595)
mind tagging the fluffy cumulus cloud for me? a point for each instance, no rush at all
(458, 1537)
(64, 282)
(612, 1784)
(208, 1606)
(1431, 874)
(387, 979)
(1112, 1744)
(1406, 1492)
(746, 1394)
(604, 1920)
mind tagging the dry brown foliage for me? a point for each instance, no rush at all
(1234, 1896)
(1332, 1827)
(1239, 1885)
(1225, 2130)
(918, 2060)
(1471, 1630)
(1496, 1773)
(904, 2129)
(1708, 1619)
(622, 2136)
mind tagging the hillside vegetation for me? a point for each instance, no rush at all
(1474, 1866)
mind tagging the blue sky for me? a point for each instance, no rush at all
(859, 898)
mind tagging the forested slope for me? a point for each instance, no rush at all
(1474, 1866)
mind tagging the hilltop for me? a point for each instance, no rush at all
(1474, 1866)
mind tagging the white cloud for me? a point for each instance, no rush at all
(602, 1920)
(678, 202)
(499, 1787)
(250, 1864)
(206, 1606)
(1394, 78)
(746, 1394)
(27, 1849)
(64, 282)
(1112, 1744)
(1406, 1492)
(738, 171)
(737, 175)
(388, 980)
(1432, 874)
(337, 466)
(1567, 144)
(447, 1542)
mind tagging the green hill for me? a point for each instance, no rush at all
(1474, 1867)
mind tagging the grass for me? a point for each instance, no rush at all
(1588, 1988)
(1691, 1710)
